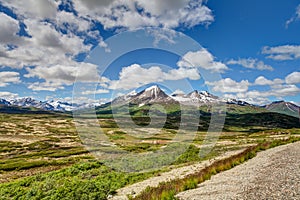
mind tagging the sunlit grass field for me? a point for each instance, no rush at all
(43, 157)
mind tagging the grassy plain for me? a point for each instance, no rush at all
(42, 156)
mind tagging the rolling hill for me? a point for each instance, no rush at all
(283, 107)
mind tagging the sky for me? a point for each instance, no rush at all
(96, 50)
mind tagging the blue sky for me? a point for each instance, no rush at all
(249, 50)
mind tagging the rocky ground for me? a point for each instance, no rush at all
(272, 174)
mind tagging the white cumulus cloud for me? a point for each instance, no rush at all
(8, 77)
(9, 29)
(262, 97)
(52, 38)
(251, 63)
(261, 80)
(99, 91)
(228, 85)
(132, 14)
(58, 75)
(284, 52)
(202, 59)
(32, 8)
(56, 38)
(8, 95)
(293, 78)
(45, 86)
(135, 76)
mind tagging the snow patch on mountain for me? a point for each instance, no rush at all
(196, 97)
(61, 106)
(50, 105)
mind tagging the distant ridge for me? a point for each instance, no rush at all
(50, 105)
(151, 95)
(283, 107)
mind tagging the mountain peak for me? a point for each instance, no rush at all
(153, 87)
(194, 94)
(196, 97)
(153, 92)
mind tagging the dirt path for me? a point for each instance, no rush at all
(181, 172)
(272, 174)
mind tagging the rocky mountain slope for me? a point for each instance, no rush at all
(283, 107)
(153, 94)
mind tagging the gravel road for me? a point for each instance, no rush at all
(272, 174)
(181, 172)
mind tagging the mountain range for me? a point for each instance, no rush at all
(151, 95)
(155, 94)
(50, 105)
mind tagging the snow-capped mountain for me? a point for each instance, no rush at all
(30, 102)
(66, 106)
(196, 97)
(237, 102)
(204, 97)
(50, 105)
(124, 98)
(4, 102)
(153, 94)
(61, 106)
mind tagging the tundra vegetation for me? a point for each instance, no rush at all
(42, 156)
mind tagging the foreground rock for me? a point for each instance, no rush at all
(272, 174)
